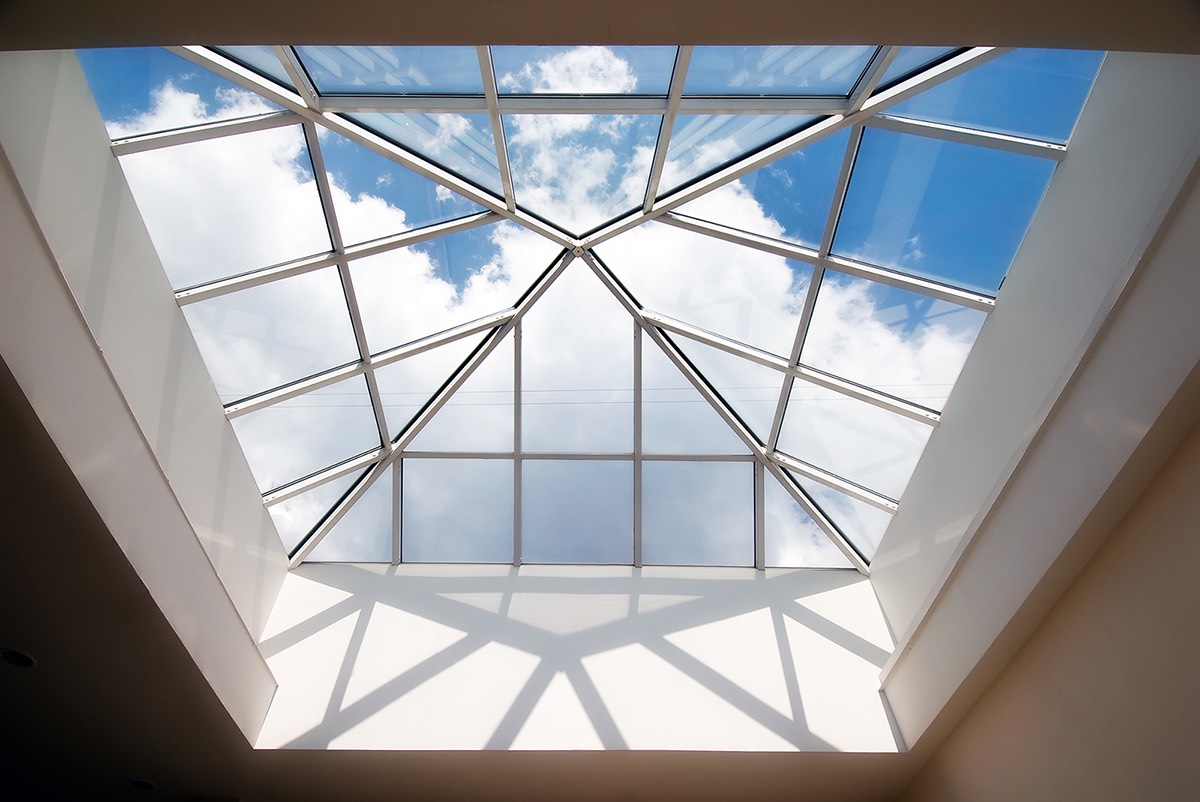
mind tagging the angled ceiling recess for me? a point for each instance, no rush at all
(633, 305)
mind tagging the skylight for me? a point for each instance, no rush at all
(632, 305)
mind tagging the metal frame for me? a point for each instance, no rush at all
(864, 107)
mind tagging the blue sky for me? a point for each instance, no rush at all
(954, 213)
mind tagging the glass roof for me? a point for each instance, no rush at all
(631, 305)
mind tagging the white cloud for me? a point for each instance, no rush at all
(593, 70)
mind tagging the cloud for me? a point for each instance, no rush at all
(579, 70)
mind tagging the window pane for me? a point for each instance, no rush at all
(479, 416)
(577, 368)
(862, 524)
(375, 197)
(577, 511)
(741, 293)
(407, 386)
(700, 143)
(393, 70)
(273, 334)
(461, 143)
(1032, 93)
(261, 59)
(791, 539)
(142, 90)
(297, 516)
(912, 59)
(364, 535)
(902, 343)
(775, 70)
(788, 199)
(303, 435)
(222, 207)
(855, 440)
(675, 417)
(583, 70)
(942, 210)
(698, 513)
(580, 170)
(750, 389)
(457, 511)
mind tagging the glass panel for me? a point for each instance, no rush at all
(222, 207)
(577, 511)
(409, 293)
(393, 70)
(675, 417)
(1032, 93)
(141, 90)
(261, 59)
(457, 511)
(775, 70)
(273, 334)
(791, 539)
(577, 368)
(461, 143)
(912, 59)
(942, 210)
(751, 390)
(787, 199)
(855, 440)
(364, 535)
(903, 343)
(583, 70)
(479, 416)
(375, 197)
(741, 293)
(303, 435)
(297, 516)
(698, 513)
(701, 143)
(406, 386)
(862, 524)
(580, 170)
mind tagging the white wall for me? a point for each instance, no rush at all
(445, 658)
(90, 330)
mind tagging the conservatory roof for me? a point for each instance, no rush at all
(633, 305)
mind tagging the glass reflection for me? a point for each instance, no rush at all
(698, 513)
(577, 511)
(393, 70)
(261, 59)
(457, 511)
(460, 143)
(912, 59)
(702, 143)
(775, 70)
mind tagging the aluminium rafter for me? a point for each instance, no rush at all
(488, 74)
(203, 132)
(683, 57)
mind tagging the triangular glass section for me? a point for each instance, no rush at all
(740, 293)
(792, 195)
(376, 197)
(411, 70)
(1030, 93)
(409, 293)
(899, 342)
(461, 143)
(405, 387)
(457, 511)
(225, 206)
(295, 517)
(479, 416)
(868, 445)
(698, 513)
(364, 534)
(912, 59)
(306, 434)
(273, 334)
(144, 90)
(702, 143)
(577, 368)
(791, 538)
(580, 170)
(583, 70)
(751, 390)
(861, 523)
(676, 419)
(260, 59)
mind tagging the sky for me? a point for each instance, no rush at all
(219, 208)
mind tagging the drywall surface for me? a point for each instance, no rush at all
(1101, 703)
(551, 658)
